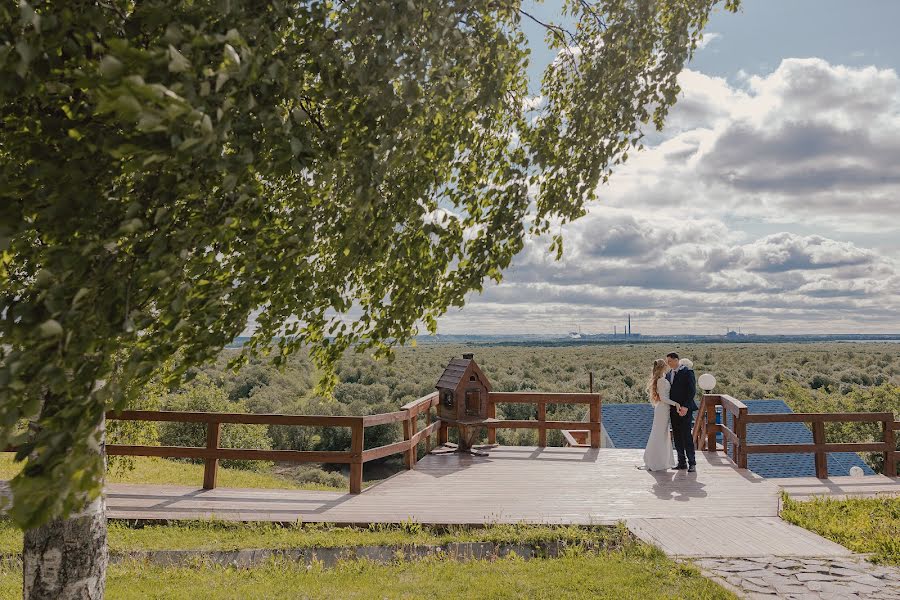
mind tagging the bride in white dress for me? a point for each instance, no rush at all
(659, 455)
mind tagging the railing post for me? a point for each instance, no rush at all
(740, 429)
(595, 418)
(210, 464)
(492, 414)
(427, 424)
(409, 430)
(711, 426)
(724, 425)
(697, 432)
(542, 419)
(890, 454)
(357, 437)
(821, 458)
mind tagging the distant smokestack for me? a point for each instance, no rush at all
(469, 356)
(629, 324)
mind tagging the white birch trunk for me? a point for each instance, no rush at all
(66, 559)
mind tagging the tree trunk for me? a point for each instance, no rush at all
(66, 559)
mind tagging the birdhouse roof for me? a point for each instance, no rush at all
(457, 373)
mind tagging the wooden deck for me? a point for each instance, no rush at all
(870, 486)
(511, 485)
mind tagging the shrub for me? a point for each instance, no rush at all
(201, 395)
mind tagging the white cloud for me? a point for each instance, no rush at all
(769, 203)
(707, 39)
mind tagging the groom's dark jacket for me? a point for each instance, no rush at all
(684, 389)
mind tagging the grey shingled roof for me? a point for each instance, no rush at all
(453, 374)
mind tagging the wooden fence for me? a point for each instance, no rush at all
(356, 457)
(541, 423)
(735, 437)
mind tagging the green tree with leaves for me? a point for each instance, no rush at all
(338, 172)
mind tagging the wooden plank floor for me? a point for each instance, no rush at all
(511, 485)
(732, 537)
(870, 486)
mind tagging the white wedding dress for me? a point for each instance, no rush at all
(659, 455)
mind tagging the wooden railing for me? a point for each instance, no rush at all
(356, 457)
(706, 428)
(541, 423)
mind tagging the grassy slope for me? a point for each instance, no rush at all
(616, 575)
(163, 471)
(868, 525)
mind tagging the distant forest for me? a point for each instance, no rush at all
(818, 377)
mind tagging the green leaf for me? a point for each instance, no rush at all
(50, 329)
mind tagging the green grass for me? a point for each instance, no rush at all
(163, 471)
(867, 525)
(643, 574)
(220, 535)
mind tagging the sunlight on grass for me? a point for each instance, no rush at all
(162, 471)
(867, 525)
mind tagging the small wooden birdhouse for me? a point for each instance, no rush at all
(463, 390)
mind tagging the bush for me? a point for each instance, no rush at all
(821, 381)
(310, 474)
(201, 395)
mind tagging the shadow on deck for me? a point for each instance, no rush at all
(511, 485)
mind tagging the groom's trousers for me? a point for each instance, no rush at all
(682, 434)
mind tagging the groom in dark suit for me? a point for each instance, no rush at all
(684, 390)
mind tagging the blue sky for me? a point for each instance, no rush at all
(769, 202)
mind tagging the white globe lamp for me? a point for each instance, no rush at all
(707, 382)
(856, 471)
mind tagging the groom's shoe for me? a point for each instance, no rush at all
(692, 469)
(680, 467)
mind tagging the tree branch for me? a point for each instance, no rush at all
(589, 8)
(560, 32)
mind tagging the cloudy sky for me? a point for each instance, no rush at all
(769, 202)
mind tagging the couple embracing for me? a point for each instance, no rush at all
(672, 389)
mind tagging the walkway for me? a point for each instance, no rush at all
(870, 486)
(512, 485)
(804, 578)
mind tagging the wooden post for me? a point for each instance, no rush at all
(491, 414)
(890, 454)
(591, 382)
(724, 437)
(428, 437)
(356, 450)
(409, 430)
(821, 458)
(740, 428)
(711, 427)
(443, 433)
(595, 418)
(211, 465)
(542, 419)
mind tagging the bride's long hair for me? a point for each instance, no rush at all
(659, 370)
